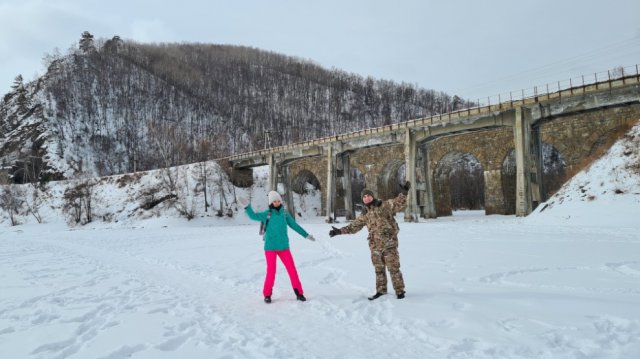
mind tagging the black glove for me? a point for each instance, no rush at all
(405, 187)
(334, 231)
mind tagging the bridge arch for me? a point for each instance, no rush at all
(458, 180)
(379, 166)
(389, 180)
(305, 181)
(358, 183)
(604, 138)
(306, 191)
(581, 138)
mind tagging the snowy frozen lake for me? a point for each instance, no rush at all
(477, 287)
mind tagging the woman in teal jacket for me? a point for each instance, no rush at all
(276, 242)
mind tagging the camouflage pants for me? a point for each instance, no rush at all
(388, 258)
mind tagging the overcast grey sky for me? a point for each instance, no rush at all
(470, 48)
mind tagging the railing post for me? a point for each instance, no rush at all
(570, 87)
(547, 91)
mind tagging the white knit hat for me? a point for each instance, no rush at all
(274, 196)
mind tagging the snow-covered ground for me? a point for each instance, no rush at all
(477, 287)
(561, 283)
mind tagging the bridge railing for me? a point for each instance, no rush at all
(582, 84)
(578, 82)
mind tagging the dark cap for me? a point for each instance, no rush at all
(367, 192)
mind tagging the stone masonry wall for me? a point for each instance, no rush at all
(374, 163)
(578, 136)
(490, 147)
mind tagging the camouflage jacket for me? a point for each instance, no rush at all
(380, 221)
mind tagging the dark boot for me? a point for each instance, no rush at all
(376, 296)
(267, 299)
(401, 295)
(299, 296)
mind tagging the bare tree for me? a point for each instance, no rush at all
(205, 149)
(169, 141)
(78, 202)
(186, 200)
(12, 201)
(35, 201)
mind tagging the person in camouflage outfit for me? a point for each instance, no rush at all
(378, 216)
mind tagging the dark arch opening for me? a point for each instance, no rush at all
(305, 182)
(459, 183)
(389, 182)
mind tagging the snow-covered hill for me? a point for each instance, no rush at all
(115, 106)
(177, 192)
(608, 191)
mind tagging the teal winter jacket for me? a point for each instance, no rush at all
(275, 236)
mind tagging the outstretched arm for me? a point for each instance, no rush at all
(262, 216)
(295, 226)
(400, 202)
(354, 227)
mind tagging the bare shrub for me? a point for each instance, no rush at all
(177, 181)
(78, 202)
(35, 201)
(12, 201)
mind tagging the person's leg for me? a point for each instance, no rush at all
(381, 276)
(270, 278)
(392, 260)
(287, 260)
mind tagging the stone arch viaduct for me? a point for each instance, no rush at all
(507, 139)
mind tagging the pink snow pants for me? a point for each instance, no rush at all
(287, 260)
